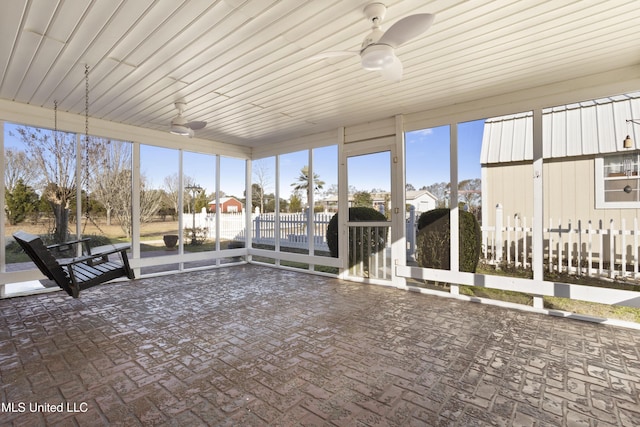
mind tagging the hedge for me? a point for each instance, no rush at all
(433, 241)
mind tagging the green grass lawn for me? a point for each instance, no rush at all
(556, 303)
(14, 254)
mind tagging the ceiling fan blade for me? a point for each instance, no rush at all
(393, 72)
(406, 29)
(196, 125)
(332, 54)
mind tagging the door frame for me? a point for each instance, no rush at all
(394, 144)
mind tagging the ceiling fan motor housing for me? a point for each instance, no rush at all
(375, 12)
(179, 121)
(371, 38)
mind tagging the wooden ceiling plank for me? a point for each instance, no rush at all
(27, 46)
(48, 51)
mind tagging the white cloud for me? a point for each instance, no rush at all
(418, 135)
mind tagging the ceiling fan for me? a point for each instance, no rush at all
(180, 125)
(377, 49)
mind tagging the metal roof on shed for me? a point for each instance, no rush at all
(586, 128)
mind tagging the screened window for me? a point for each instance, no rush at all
(618, 181)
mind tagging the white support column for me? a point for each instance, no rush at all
(180, 212)
(3, 242)
(453, 203)
(538, 206)
(248, 208)
(135, 205)
(398, 202)
(343, 205)
(217, 204)
(276, 211)
(311, 186)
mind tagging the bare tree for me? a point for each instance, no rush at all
(172, 188)
(111, 183)
(261, 180)
(441, 191)
(150, 201)
(54, 158)
(107, 182)
(18, 166)
(469, 192)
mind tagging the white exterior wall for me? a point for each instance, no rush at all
(510, 185)
(423, 203)
(569, 194)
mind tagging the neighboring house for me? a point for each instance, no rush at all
(329, 203)
(227, 205)
(378, 200)
(421, 200)
(588, 174)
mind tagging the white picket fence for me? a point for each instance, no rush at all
(575, 247)
(292, 228)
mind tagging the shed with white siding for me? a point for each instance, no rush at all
(588, 175)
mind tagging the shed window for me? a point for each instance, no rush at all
(617, 181)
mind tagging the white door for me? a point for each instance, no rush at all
(367, 235)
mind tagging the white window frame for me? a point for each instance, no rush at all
(600, 178)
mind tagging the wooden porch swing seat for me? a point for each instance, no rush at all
(92, 268)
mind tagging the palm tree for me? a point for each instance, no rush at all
(302, 185)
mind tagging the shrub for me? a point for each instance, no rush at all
(13, 247)
(195, 236)
(433, 246)
(374, 238)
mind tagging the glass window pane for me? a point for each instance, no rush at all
(428, 176)
(40, 187)
(263, 202)
(469, 195)
(199, 199)
(325, 166)
(159, 195)
(232, 209)
(507, 201)
(295, 193)
(109, 200)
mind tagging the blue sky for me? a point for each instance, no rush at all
(427, 153)
(428, 157)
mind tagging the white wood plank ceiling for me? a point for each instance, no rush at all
(242, 65)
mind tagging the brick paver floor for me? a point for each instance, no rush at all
(253, 345)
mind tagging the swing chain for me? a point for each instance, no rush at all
(86, 135)
(55, 127)
(87, 213)
(55, 120)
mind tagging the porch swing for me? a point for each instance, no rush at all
(91, 266)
